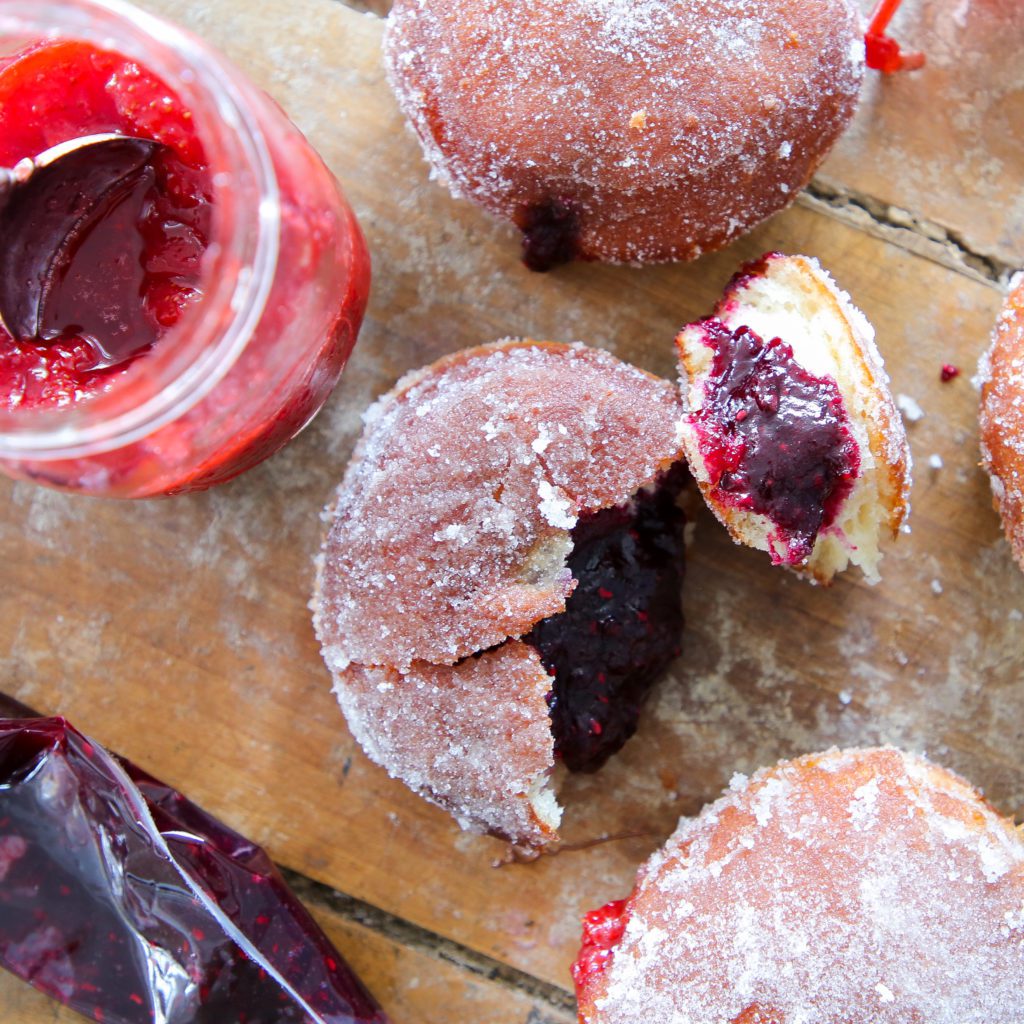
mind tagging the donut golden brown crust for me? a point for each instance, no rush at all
(1002, 417)
(852, 886)
(832, 349)
(449, 538)
(626, 130)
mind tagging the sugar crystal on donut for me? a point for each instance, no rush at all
(790, 428)
(854, 886)
(1002, 416)
(485, 490)
(626, 130)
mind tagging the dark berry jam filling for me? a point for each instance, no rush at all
(134, 265)
(602, 930)
(551, 233)
(94, 914)
(775, 439)
(621, 627)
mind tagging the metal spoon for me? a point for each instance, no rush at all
(47, 203)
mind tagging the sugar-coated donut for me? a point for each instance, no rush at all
(1002, 416)
(626, 130)
(476, 484)
(851, 887)
(789, 426)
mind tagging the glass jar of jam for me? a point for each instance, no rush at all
(200, 318)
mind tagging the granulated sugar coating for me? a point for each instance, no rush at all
(451, 527)
(1002, 416)
(626, 130)
(480, 750)
(852, 886)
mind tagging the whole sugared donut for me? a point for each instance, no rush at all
(500, 584)
(626, 130)
(1002, 417)
(851, 887)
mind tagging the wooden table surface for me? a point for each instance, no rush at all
(177, 633)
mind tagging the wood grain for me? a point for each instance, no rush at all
(177, 632)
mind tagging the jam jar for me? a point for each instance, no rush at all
(199, 313)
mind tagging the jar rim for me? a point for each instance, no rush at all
(238, 268)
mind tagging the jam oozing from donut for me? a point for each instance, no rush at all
(621, 627)
(882, 52)
(948, 372)
(550, 234)
(135, 267)
(602, 929)
(775, 439)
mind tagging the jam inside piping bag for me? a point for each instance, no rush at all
(130, 904)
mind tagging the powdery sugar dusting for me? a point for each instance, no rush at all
(519, 102)
(450, 529)
(1002, 416)
(858, 885)
(477, 749)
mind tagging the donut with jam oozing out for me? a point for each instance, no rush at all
(789, 426)
(626, 130)
(519, 490)
(775, 438)
(1001, 417)
(142, 257)
(622, 625)
(858, 885)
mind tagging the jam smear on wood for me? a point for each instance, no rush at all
(776, 440)
(621, 626)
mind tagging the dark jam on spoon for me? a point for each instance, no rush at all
(775, 439)
(621, 626)
(129, 266)
(71, 263)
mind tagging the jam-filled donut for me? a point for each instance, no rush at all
(851, 886)
(626, 130)
(1002, 417)
(500, 584)
(790, 429)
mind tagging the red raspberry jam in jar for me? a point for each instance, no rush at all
(205, 311)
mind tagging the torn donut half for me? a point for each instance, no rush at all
(500, 583)
(789, 426)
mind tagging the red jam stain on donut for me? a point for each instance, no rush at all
(621, 626)
(602, 930)
(882, 52)
(550, 234)
(141, 256)
(948, 372)
(776, 439)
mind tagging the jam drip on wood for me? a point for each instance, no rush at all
(775, 439)
(622, 625)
